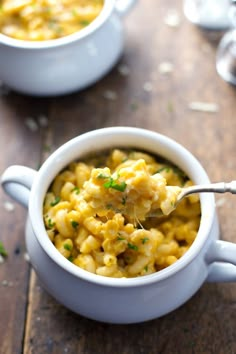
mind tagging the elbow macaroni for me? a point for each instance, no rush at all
(96, 210)
(46, 19)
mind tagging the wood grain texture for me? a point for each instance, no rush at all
(15, 140)
(31, 320)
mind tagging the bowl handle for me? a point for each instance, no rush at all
(124, 6)
(221, 258)
(17, 182)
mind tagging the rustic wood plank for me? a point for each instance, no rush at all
(197, 327)
(14, 272)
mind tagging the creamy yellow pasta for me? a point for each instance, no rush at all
(38, 20)
(96, 214)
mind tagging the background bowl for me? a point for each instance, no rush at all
(63, 65)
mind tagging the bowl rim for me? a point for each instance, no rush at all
(62, 41)
(56, 160)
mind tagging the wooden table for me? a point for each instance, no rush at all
(143, 90)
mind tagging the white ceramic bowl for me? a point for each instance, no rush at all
(67, 64)
(120, 300)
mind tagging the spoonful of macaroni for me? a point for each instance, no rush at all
(134, 192)
(180, 193)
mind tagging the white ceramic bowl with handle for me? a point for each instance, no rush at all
(64, 65)
(120, 300)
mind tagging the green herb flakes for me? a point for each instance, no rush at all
(46, 148)
(76, 190)
(132, 246)
(56, 201)
(170, 107)
(67, 247)
(164, 168)
(50, 223)
(134, 106)
(174, 169)
(124, 200)
(111, 183)
(102, 176)
(84, 23)
(109, 206)
(3, 251)
(74, 12)
(74, 224)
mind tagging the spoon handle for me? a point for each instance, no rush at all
(220, 187)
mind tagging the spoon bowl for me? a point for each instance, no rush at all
(220, 187)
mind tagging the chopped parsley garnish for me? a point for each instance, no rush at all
(164, 168)
(67, 247)
(76, 190)
(3, 251)
(132, 246)
(47, 10)
(74, 12)
(124, 200)
(75, 224)
(146, 268)
(134, 106)
(102, 176)
(84, 23)
(56, 201)
(175, 170)
(111, 183)
(170, 107)
(46, 148)
(179, 172)
(127, 259)
(144, 240)
(109, 206)
(50, 223)
(70, 258)
(119, 238)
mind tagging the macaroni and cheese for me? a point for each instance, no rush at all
(96, 214)
(46, 19)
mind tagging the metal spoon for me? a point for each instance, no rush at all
(220, 187)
